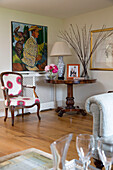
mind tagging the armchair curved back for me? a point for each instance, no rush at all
(12, 85)
(13, 82)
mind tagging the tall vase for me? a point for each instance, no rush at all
(59, 150)
(61, 68)
(84, 72)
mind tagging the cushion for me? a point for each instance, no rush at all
(13, 83)
(22, 101)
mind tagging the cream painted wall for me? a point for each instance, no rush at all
(97, 18)
(53, 24)
(6, 16)
(104, 78)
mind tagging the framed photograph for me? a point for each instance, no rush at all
(29, 47)
(73, 70)
(102, 58)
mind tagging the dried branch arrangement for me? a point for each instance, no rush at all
(79, 40)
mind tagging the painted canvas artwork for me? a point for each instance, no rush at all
(29, 47)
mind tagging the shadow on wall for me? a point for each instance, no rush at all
(44, 90)
(80, 92)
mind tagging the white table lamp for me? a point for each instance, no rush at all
(60, 49)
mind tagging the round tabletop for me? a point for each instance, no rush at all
(71, 81)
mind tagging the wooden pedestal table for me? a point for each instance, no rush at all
(70, 99)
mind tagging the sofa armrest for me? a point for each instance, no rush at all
(101, 107)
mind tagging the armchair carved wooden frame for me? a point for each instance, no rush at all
(12, 86)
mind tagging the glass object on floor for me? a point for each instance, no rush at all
(105, 150)
(59, 150)
(85, 148)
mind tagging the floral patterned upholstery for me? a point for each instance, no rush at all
(13, 83)
(12, 86)
(22, 101)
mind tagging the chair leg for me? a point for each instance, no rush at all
(22, 112)
(12, 114)
(6, 113)
(38, 108)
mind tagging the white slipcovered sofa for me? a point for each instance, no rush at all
(101, 108)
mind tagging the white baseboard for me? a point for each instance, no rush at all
(43, 106)
(48, 105)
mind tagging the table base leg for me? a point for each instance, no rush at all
(62, 110)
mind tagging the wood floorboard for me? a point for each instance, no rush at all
(29, 132)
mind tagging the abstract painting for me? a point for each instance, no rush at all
(29, 47)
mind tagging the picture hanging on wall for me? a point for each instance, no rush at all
(102, 58)
(29, 47)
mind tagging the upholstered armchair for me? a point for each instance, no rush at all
(101, 108)
(12, 86)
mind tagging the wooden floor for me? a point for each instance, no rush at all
(29, 132)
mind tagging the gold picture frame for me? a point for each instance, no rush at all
(102, 58)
